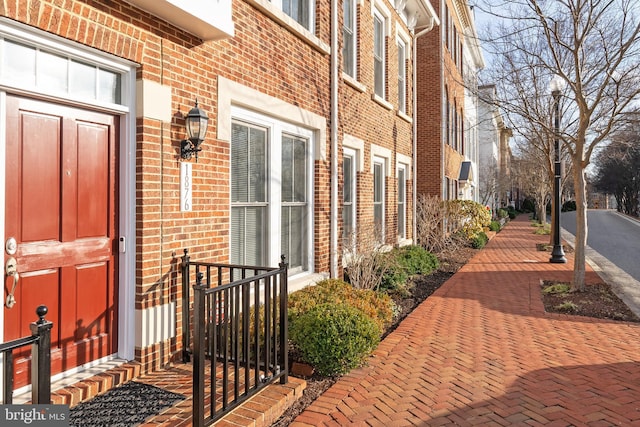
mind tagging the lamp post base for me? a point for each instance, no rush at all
(557, 255)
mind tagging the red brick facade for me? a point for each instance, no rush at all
(264, 56)
(440, 88)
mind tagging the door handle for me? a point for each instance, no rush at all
(12, 270)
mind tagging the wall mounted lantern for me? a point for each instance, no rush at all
(196, 122)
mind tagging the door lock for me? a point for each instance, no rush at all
(11, 269)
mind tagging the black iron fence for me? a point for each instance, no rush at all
(237, 331)
(40, 341)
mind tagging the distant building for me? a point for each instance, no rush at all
(495, 185)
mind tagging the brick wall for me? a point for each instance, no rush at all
(264, 56)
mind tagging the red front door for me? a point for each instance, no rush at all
(60, 207)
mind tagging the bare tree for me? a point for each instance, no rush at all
(594, 46)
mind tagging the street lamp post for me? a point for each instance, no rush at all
(557, 255)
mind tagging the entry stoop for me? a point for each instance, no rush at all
(262, 410)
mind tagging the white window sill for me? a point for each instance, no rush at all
(384, 103)
(354, 83)
(302, 280)
(405, 117)
(290, 24)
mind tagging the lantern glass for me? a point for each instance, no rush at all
(196, 123)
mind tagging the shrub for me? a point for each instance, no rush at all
(431, 220)
(416, 260)
(467, 217)
(334, 338)
(366, 260)
(502, 213)
(479, 240)
(407, 261)
(376, 305)
(494, 226)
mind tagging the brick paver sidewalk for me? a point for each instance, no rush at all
(482, 351)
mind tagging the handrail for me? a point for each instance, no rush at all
(40, 341)
(240, 328)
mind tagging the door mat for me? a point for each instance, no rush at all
(127, 405)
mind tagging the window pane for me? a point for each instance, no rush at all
(348, 31)
(82, 80)
(19, 63)
(257, 165)
(378, 54)
(247, 235)
(377, 183)
(239, 163)
(52, 72)
(293, 238)
(402, 190)
(287, 169)
(108, 86)
(298, 10)
(300, 170)
(378, 200)
(348, 181)
(402, 77)
(347, 221)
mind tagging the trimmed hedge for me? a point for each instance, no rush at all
(334, 338)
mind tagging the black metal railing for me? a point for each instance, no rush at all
(40, 341)
(238, 327)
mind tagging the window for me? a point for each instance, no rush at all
(349, 198)
(57, 74)
(294, 200)
(300, 10)
(402, 201)
(349, 38)
(249, 206)
(379, 49)
(271, 184)
(402, 76)
(379, 198)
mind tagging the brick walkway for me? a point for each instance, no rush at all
(482, 351)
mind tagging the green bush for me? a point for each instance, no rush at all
(407, 261)
(479, 240)
(416, 260)
(502, 213)
(334, 338)
(494, 226)
(376, 305)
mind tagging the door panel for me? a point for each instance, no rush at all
(60, 206)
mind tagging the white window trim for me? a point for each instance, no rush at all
(404, 167)
(355, 155)
(275, 129)
(356, 144)
(385, 173)
(232, 93)
(312, 14)
(276, 13)
(382, 153)
(404, 160)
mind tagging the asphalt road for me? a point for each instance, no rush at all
(614, 236)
